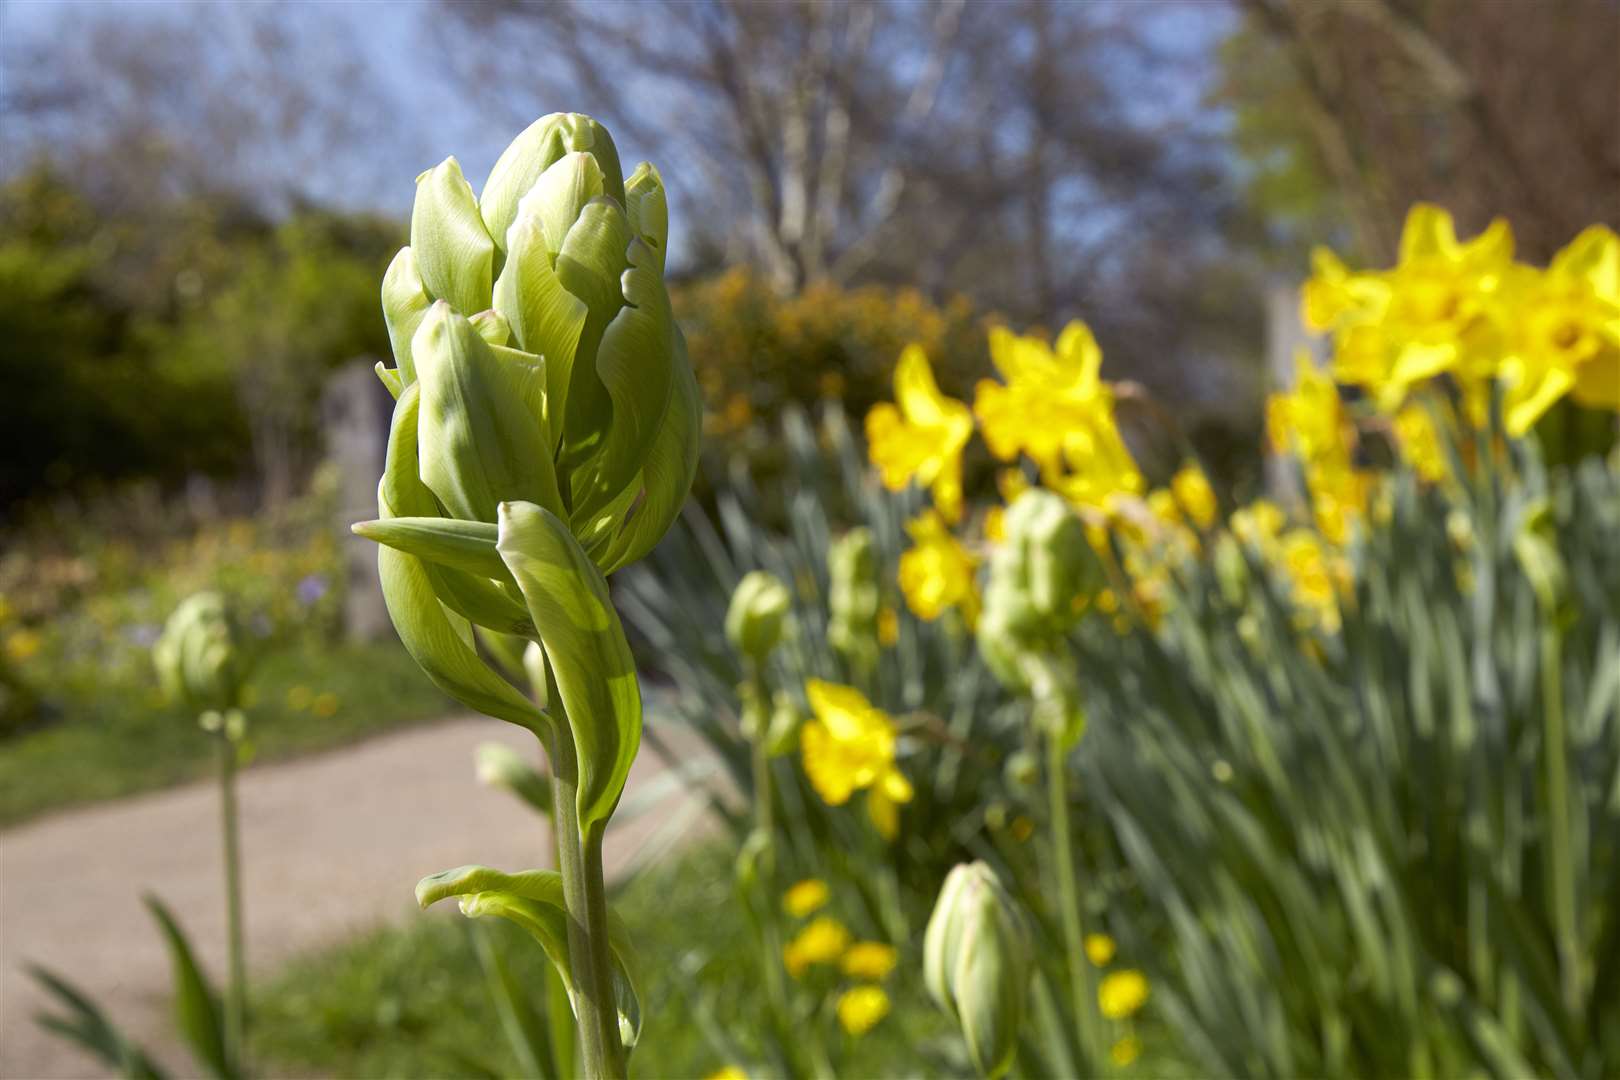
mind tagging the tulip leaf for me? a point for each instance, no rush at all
(546, 318)
(404, 301)
(585, 644)
(454, 252)
(465, 545)
(482, 426)
(533, 899)
(408, 585)
(196, 1004)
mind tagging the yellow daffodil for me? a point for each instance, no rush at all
(1258, 524)
(805, 897)
(922, 438)
(1317, 574)
(1309, 420)
(849, 746)
(860, 1009)
(1121, 993)
(936, 573)
(1125, 1050)
(1194, 494)
(869, 960)
(821, 942)
(1565, 337)
(1435, 311)
(728, 1072)
(1054, 407)
(1099, 949)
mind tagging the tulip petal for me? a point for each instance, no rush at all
(592, 259)
(584, 641)
(453, 250)
(404, 301)
(483, 437)
(534, 151)
(546, 319)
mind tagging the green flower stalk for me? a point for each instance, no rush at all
(201, 663)
(545, 433)
(1030, 603)
(977, 963)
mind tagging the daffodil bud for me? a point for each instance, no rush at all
(1535, 546)
(199, 655)
(759, 605)
(977, 963)
(854, 597)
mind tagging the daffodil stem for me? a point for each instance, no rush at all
(1057, 786)
(1560, 866)
(579, 860)
(236, 974)
(764, 821)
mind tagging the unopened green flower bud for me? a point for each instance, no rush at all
(199, 656)
(854, 597)
(1535, 546)
(758, 608)
(977, 962)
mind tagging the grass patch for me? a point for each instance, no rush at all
(119, 738)
(411, 1001)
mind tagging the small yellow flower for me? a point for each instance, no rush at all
(324, 705)
(805, 897)
(821, 942)
(936, 573)
(728, 1072)
(1125, 1051)
(922, 438)
(888, 627)
(869, 960)
(23, 645)
(849, 745)
(1194, 494)
(1121, 993)
(1099, 949)
(860, 1009)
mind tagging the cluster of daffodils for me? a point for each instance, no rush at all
(1468, 311)
(825, 942)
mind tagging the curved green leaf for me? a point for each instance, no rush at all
(585, 644)
(533, 899)
(87, 1027)
(454, 253)
(465, 545)
(197, 1008)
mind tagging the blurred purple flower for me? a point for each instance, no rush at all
(143, 635)
(311, 589)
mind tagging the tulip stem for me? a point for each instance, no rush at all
(585, 900)
(236, 975)
(1068, 893)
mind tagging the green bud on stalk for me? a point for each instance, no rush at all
(199, 656)
(759, 606)
(854, 598)
(545, 428)
(977, 963)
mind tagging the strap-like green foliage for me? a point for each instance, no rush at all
(84, 1024)
(197, 1009)
(533, 899)
(585, 645)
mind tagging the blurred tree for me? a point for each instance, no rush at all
(1348, 111)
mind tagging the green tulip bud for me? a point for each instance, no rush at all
(199, 656)
(977, 963)
(1037, 578)
(545, 431)
(854, 598)
(759, 606)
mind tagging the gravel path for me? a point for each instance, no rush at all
(332, 845)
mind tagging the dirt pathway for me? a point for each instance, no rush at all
(332, 845)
